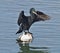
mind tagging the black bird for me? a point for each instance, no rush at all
(26, 21)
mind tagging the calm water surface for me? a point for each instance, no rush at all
(46, 34)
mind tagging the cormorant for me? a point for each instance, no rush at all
(25, 22)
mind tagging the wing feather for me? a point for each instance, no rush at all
(19, 19)
(42, 16)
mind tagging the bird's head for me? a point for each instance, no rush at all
(32, 10)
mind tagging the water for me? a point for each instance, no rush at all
(46, 34)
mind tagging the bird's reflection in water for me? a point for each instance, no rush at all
(28, 49)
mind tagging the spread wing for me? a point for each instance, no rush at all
(39, 16)
(19, 19)
(42, 15)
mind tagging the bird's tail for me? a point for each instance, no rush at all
(19, 31)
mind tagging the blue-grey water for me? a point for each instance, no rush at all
(46, 34)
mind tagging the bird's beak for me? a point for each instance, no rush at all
(34, 12)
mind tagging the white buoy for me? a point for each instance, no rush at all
(26, 37)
